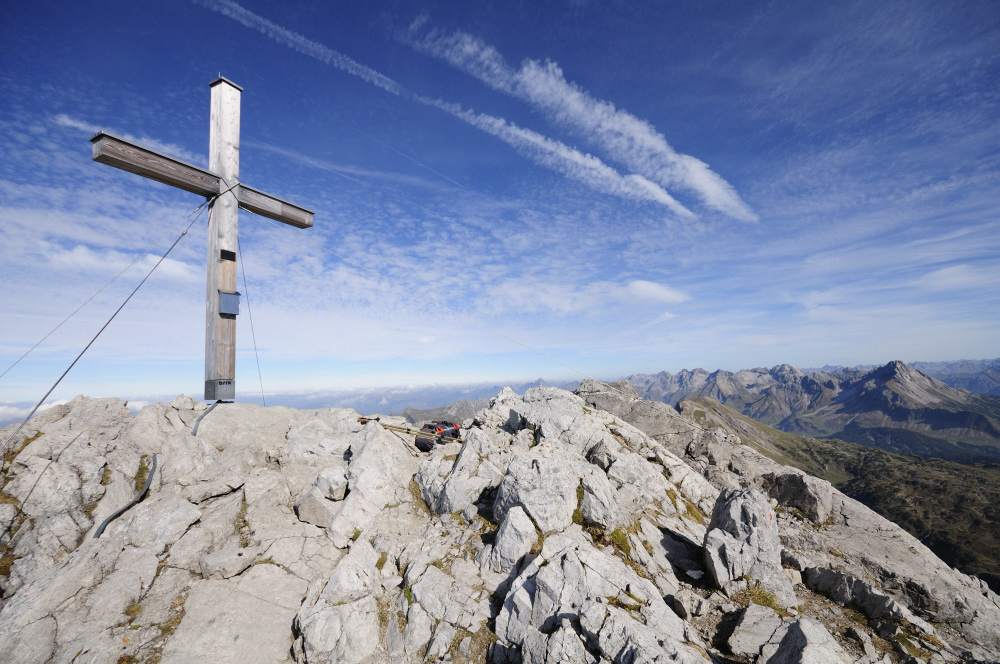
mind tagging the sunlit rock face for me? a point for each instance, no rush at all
(586, 527)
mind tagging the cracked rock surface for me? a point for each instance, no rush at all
(563, 527)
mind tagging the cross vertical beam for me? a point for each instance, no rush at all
(221, 185)
(224, 159)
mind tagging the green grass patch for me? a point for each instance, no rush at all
(911, 647)
(14, 450)
(418, 498)
(536, 548)
(176, 615)
(693, 512)
(384, 611)
(621, 604)
(5, 564)
(381, 561)
(620, 541)
(672, 495)
(481, 642)
(140, 476)
(242, 527)
(756, 595)
(132, 611)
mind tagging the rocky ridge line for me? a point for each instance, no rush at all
(587, 527)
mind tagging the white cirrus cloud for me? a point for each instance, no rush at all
(302, 44)
(529, 293)
(654, 292)
(569, 161)
(548, 152)
(957, 277)
(168, 149)
(627, 139)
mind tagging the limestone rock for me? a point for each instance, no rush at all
(318, 438)
(806, 642)
(601, 456)
(796, 489)
(332, 482)
(474, 470)
(600, 505)
(215, 529)
(757, 626)
(543, 483)
(342, 623)
(384, 579)
(244, 620)
(514, 539)
(227, 562)
(620, 638)
(441, 641)
(559, 583)
(688, 604)
(313, 507)
(742, 546)
(850, 591)
(379, 474)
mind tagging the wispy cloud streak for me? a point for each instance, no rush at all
(64, 120)
(301, 44)
(585, 168)
(628, 139)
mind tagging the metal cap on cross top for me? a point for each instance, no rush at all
(220, 183)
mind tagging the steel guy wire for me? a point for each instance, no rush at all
(250, 314)
(20, 507)
(199, 210)
(87, 301)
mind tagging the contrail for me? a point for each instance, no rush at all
(301, 43)
(585, 168)
(547, 152)
(626, 138)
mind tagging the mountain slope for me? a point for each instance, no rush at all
(462, 409)
(952, 508)
(892, 407)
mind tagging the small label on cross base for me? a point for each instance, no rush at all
(221, 389)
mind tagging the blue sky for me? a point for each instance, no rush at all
(625, 187)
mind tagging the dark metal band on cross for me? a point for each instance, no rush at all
(222, 177)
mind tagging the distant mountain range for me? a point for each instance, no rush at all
(895, 407)
(982, 376)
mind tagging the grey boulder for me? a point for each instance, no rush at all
(742, 546)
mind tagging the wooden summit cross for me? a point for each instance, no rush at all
(220, 183)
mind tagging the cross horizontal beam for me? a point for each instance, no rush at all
(134, 158)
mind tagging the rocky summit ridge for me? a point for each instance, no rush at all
(565, 527)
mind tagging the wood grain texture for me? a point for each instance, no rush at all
(140, 160)
(224, 159)
(133, 158)
(272, 207)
